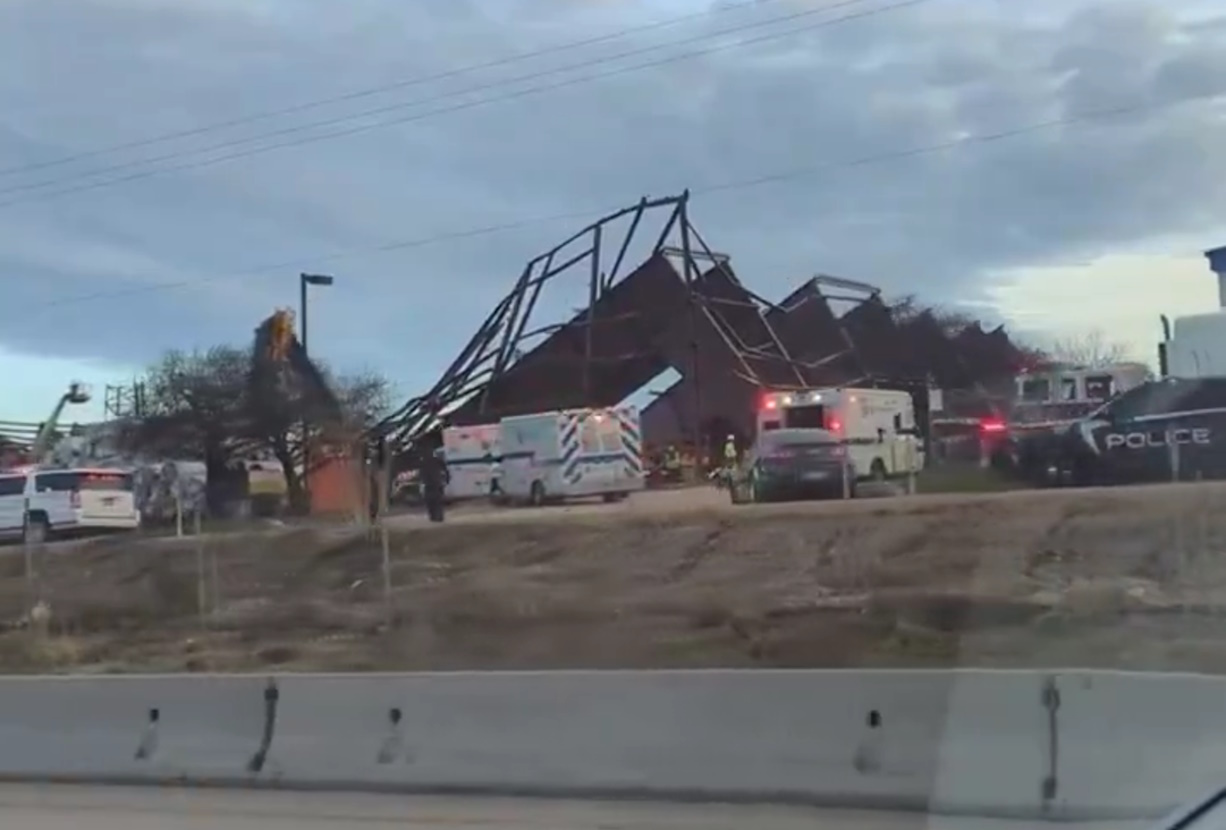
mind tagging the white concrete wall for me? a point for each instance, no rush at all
(960, 742)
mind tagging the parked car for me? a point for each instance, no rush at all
(787, 464)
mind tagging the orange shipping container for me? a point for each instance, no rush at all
(336, 487)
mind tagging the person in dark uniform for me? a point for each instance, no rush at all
(433, 483)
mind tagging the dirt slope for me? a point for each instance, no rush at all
(1125, 577)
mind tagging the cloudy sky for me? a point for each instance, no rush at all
(165, 173)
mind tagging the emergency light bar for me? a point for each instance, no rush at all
(775, 400)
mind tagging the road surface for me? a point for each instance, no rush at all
(106, 808)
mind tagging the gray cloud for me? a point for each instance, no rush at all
(75, 76)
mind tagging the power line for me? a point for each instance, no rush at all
(466, 105)
(340, 120)
(733, 185)
(367, 92)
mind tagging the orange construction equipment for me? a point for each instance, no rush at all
(282, 334)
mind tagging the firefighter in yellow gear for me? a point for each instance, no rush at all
(731, 462)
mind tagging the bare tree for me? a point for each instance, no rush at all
(295, 394)
(908, 308)
(1091, 350)
(365, 397)
(212, 405)
(195, 404)
(195, 407)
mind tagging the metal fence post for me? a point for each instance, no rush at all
(32, 591)
(912, 457)
(202, 592)
(846, 471)
(385, 481)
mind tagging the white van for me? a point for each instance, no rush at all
(473, 455)
(877, 425)
(554, 456)
(42, 504)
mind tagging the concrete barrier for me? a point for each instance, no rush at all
(1138, 743)
(1008, 744)
(130, 729)
(888, 739)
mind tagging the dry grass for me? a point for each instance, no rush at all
(1121, 578)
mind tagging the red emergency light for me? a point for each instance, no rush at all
(770, 403)
(992, 425)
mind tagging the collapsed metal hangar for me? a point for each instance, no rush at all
(683, 308)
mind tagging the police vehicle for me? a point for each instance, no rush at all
(1164, 430)
(1046, 401)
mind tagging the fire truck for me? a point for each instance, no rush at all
(1045, 402)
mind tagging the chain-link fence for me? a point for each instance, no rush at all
(1126, 578)
(200, 601)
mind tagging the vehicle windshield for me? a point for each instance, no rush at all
(78, 481)
(797, 440)
(1156, 397)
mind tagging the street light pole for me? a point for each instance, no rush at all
(302, 311)
(305, 280)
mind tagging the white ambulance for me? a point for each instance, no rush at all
(878, 425)
(472, 455)
(555, 456)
